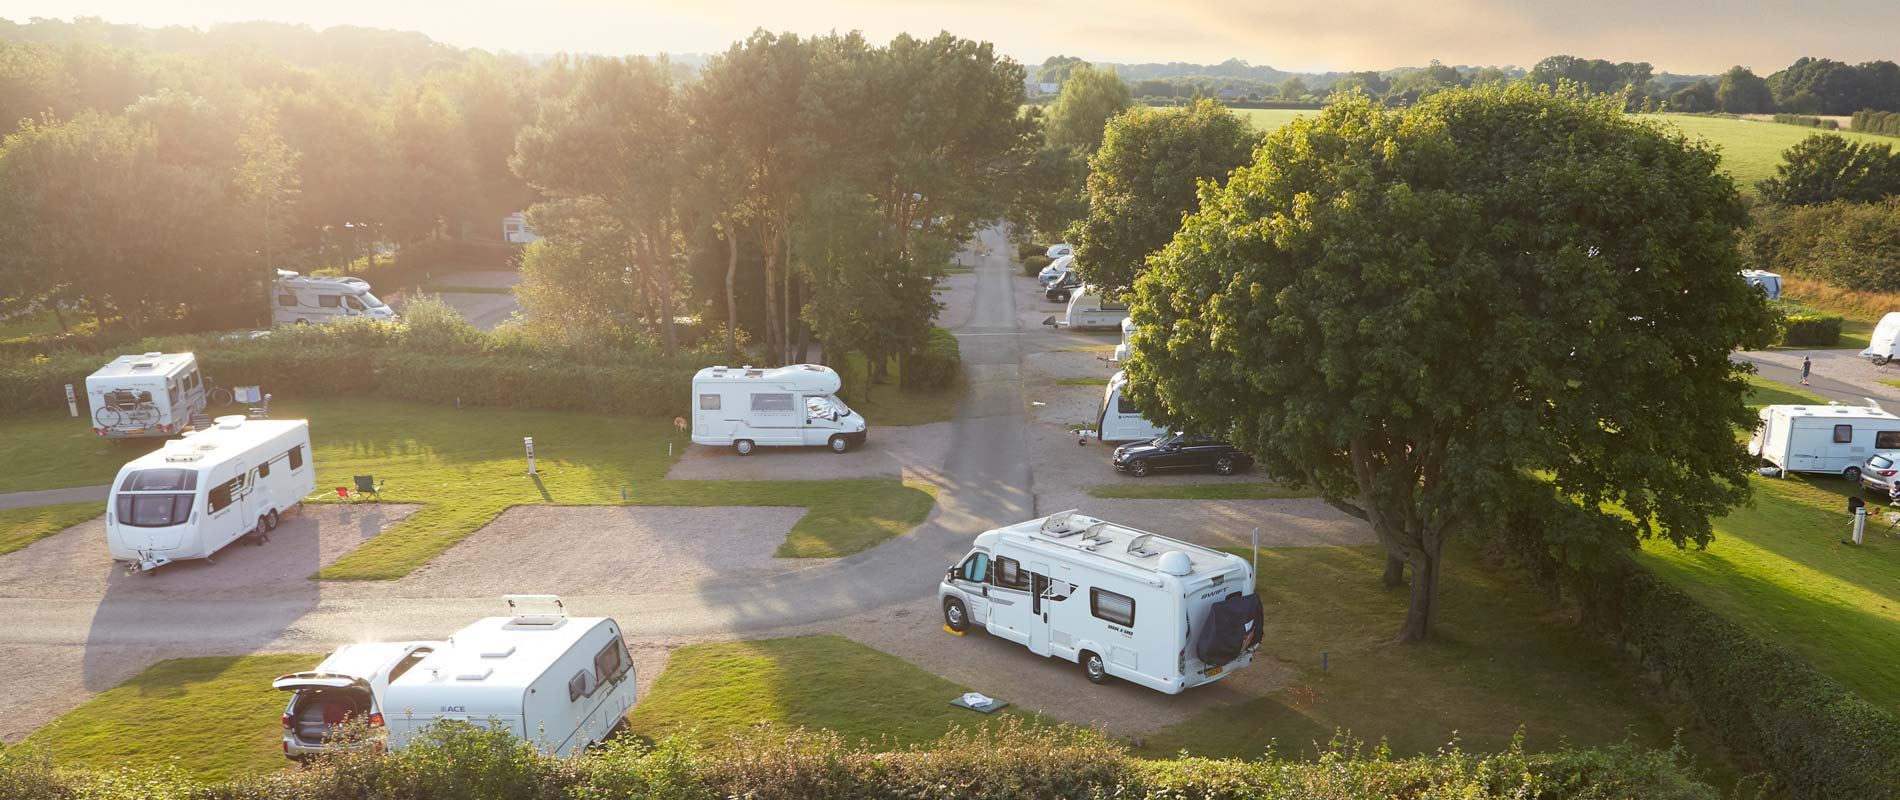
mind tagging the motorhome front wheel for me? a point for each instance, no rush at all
(953, 614)
(1093, 668)
(839, 444)
(743, 447)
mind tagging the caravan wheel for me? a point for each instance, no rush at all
(1852, 474)
(1093, 668)
(1880, 361)
(270, 520)
(742, 447)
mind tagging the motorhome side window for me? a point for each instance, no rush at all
(1887, 440)
(353, 303)
(263, 470)
(709, 402)
(329, 300)
(1843, 434)
(220, 496)
(611, 662)
(976, 568)
(1113, 608)
(772, 401)
(1011, 575)
(296, 457)
(287, 299)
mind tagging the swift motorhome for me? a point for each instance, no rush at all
(1119, 420)
(559, 682)
(1091, 309)
(1833, 439)
(1120, 602)
(1128, 340)
(307, 298)
(788, 406)
(1884, 345)
(196, 494)
(155, 394)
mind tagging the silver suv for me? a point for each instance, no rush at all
(1879, 471)
(339, 705)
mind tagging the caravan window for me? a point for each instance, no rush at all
(772, 402)
(220, 496)
(1887, 440)
(611, 662)
(296, 457)
(1113, 608)
(709, 402)
(1010, 574)
(1843, 434)
(160, 480)
(154, 510)
(581, 685)
(287, 299)
(1123, 405)
(329, 300)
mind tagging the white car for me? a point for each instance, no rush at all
(347, 687)
(1059, 251)
(1050, 274)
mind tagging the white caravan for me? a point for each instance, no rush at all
(1119, 420)
(1123, 603)
(199, 493)
(1128, 340)
(1884, 345)
(515, 230)
(299, 299)
(155, 394)
(1833, 438)
(1768, 282)
(559, 682)
(788, 406)
(340, 705)
(1091, 309)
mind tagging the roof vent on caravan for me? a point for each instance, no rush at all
(230, 422)
(1139, 545)
(479, 673)
(501, 651)
(535, 610)
(154, 354)
(1095, 535)
(1175, 562)
(1057, 525)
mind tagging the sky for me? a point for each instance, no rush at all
(1685, 36)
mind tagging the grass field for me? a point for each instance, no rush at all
(1504, 661)
(212, 717)
(1251, 490)
(467, 466)
(20, 527)
(1774, 393)
(812, 681)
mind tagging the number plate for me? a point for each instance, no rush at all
(1212, 671)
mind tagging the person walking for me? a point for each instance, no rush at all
(1807, 366)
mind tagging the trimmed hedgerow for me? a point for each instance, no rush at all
(1008, 762)
(1815, 330)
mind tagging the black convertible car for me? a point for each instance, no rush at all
(1180, 451)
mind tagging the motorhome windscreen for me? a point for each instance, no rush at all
(372, 300)
(160, 480)
(154, 510)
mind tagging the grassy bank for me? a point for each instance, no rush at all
(20, 527)
(214, 718)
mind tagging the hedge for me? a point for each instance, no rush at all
(1771, 709)
(1032, 265)
(935, 364)
(1808, 121)
(1008, 762)
(1811, 330)
(1885, 123)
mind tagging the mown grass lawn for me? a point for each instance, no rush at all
(1504, 661)
(213, 717)
(51, 450)
(1251, 490)
(824, 682)
(1764, 392)
(468, 466)
(1083, 382)
(20, 527)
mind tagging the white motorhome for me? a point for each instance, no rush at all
(788, 406)
(1884, 345)
(1128, 340)
(340, 705)
(559, 682)
(1056, 269)
(515, 229)
(1059, 250)
(1119, 420)
(1122, 603)
(155, 394)
(1833, 438)
(191, 497)
(1091, 309)
(299, 299)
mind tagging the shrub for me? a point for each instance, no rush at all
(1034, 264)
(1814, 330)
(1853, 245)
(935, 364)
(1770, 708)
(1809, 121)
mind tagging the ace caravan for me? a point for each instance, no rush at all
(788, 406)
(1833, 439)
(1122, 603)
(199, 493)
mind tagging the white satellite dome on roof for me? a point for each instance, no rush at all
(1175, 562)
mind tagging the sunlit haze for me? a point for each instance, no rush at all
(1675, 35)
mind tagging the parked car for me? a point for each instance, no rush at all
(1878, 472)
(1056, 269)
(345, 690)
(1180, 451)
(1059, 291)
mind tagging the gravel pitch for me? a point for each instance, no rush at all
(915, 452)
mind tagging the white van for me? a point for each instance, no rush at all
(1123, 603)
(1119, 420)
(199, 493)
(559, 682)
(1128, 341)
(1884, 345)
(340, 705)
(306, 298)
(788, 406)
(1091, 309)
(155, 394)
(1833, 438)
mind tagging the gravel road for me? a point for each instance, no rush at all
(916, 452)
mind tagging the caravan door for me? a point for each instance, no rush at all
(1039, 609)
(1011, 612)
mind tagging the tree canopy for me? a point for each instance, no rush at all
(1826, 167)
(1424, 312)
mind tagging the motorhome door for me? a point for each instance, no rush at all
(1011, 611)
(1040, 601)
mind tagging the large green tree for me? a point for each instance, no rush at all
(1089, 99)
(1743, 92)
(1427, 312)
(1826, 167)
(1144, 179)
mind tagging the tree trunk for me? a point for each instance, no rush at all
(804, 328)
(785, 338)
(1421, 616)
(773, 348)
(1394, 571)
(732, 303)
(662, 266)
